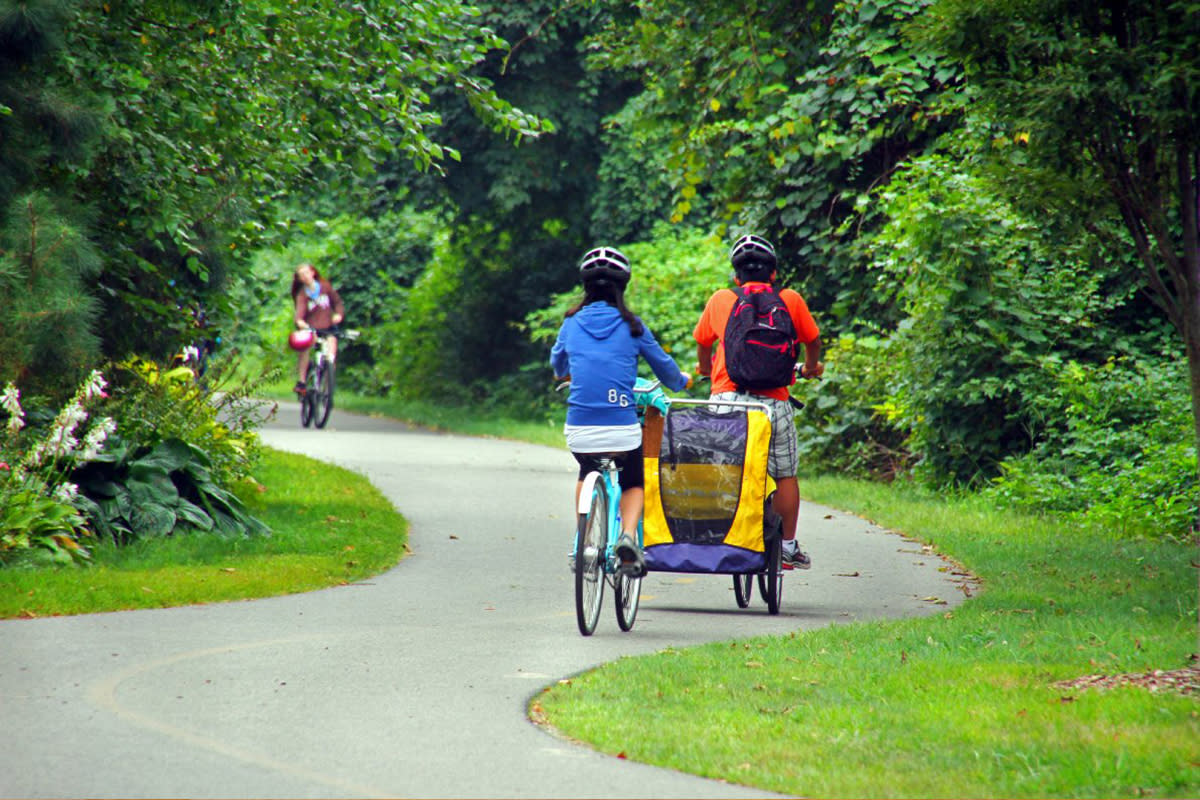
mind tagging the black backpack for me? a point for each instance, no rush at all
(760, 340)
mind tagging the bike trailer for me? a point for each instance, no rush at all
(707, 488)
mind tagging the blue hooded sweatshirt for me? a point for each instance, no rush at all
(596, 348)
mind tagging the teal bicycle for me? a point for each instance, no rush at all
(594, 558)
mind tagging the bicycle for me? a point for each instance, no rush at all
(317, 401)
(594, 557)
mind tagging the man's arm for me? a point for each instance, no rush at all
(704, 359)
(813, 368)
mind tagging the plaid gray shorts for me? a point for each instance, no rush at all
(783, 460)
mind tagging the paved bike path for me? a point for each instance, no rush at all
(412, 683)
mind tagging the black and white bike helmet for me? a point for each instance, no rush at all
(605, 262)
(752, 249)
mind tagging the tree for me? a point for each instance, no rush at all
(1106, 91)
(518, 218)
(212, 112)
(784, 115)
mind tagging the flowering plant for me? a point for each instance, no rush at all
(39, 511)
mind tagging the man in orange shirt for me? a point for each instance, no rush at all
(755, 264)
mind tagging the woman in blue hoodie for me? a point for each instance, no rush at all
(597, 349)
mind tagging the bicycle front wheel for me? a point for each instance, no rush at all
(324, 402)
(591, 539)
(628, 591)
(307, 407)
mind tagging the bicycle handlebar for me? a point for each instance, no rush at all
(336, 330)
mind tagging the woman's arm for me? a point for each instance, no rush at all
(336, 305)
(301, 303)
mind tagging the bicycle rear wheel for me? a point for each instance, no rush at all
(591, 539)
(324, 402)
(770, 584)
(628, 591)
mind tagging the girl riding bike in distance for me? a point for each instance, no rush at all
(597, 348)
(318, 306)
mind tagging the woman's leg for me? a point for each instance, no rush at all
(632, 502)
(302, 365)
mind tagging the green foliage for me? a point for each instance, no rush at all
(35, 529)
(311, 535)
(516, 219)
(788, 114)
(162, 467)
(1116, 452)
(633, 195)
(219, 418)
(432, 348)
(46, 268)
(845, 428)
(985, 294)
(182, 124)
(1105, 88)
(169, 489)
(370, 260)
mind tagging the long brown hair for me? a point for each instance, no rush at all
(297, 286)
(608, 291)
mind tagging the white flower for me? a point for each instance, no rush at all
(36, 455)
(93, 443)
(94, 385)
(66, 492)
(62, 436)
(10, 401)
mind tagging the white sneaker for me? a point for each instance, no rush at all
(793, 556)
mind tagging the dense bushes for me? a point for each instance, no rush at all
(1116, 449)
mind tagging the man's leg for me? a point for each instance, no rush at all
(786, 503)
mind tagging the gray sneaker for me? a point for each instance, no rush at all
(630, 556)
(794, 557)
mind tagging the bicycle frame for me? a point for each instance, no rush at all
(608, 474)
(317, 402)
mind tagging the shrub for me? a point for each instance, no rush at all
(1117, 450)
(847, 423)
(166, 490)
(986, 292)
(154, 404)
(40, 505)
(180, 443)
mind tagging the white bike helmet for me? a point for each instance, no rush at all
(605, 262)
(752, 249)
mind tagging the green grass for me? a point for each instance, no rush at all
(343, 533)
(963, 704)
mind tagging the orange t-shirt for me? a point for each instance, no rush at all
(711, 328)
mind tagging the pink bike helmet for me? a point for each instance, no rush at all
(301, 340)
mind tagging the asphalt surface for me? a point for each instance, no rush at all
(414, 683)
